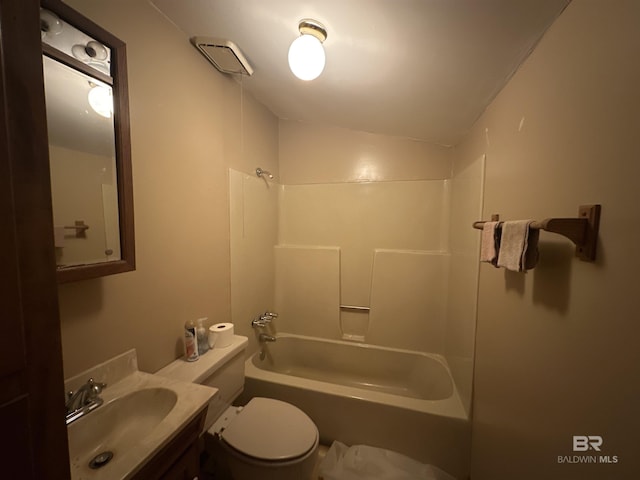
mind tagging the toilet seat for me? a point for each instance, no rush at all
(271, 430)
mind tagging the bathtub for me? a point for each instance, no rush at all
(402, 400)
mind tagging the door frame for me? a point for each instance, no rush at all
(31, 375)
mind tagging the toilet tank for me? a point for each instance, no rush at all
(221, 368)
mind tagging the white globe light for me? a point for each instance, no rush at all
(306, 57)
(101, 100)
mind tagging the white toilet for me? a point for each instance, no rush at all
(267, 438)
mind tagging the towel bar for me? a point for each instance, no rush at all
(583, 230)
(354, 308)
(79, 227)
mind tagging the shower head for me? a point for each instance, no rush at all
(260, 172)
(223, 54)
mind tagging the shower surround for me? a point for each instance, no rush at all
(381, 246)
(385, 256)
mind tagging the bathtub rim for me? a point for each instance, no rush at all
(450, 407)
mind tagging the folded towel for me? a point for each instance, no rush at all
(488, 244)
(518, 246)
(531, 252)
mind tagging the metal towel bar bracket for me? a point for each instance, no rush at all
(583, 230)
(79, 227)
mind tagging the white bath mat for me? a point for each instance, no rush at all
(362, 462)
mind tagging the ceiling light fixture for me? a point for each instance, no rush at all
(306, 53)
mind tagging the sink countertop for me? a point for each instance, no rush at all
(122, 378)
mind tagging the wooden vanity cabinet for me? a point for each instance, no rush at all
(180, 458)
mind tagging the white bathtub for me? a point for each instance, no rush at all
(364, 394)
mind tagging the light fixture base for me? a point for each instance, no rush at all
(308, 26)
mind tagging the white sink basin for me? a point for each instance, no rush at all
(118, 425)
(141, 414)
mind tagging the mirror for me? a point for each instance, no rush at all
(85, 80)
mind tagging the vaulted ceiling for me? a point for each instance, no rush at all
(423, 69)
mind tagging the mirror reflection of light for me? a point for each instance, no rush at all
(96, 50)
(50, 24)
(101, 100)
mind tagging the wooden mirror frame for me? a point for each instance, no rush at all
(122, 135)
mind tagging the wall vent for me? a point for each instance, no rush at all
(223, 54)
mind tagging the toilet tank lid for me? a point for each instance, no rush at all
(270, 429)
(198, 371)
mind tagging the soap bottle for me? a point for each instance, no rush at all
(202, 336)
(190, 341)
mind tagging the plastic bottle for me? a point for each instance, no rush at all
(202, 336)
(190, 341)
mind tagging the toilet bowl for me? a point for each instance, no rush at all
(266, 439)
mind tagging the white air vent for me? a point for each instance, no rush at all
(223, 54)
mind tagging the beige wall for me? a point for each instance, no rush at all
(187, 129)
(385, 235)
(92, 200)
(326, 154)
(378, 206)
(462, 292)
(556, 348)
(253, 232)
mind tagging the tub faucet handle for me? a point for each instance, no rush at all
(263, 320)
(258, 322)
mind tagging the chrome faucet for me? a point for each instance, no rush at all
(263, 320)
(84, 400)
(263, 337)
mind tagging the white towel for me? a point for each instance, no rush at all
(58, 235)
(518, 247)
(488, 251)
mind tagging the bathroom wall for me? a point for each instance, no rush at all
(363, 221)
(327, 154)
(189, 125)
(556, 348)
(92, 200)
(464, 244)
(389, 244)
(253, 231)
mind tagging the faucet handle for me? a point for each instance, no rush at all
(264, 319)
(260, 321)
(96, 387)
(268, 316)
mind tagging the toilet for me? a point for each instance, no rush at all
(265, 439)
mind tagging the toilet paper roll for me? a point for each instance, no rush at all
(220, 335)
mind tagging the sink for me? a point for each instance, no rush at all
(113, 429)
(142, 414)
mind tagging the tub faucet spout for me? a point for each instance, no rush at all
(263, 337)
